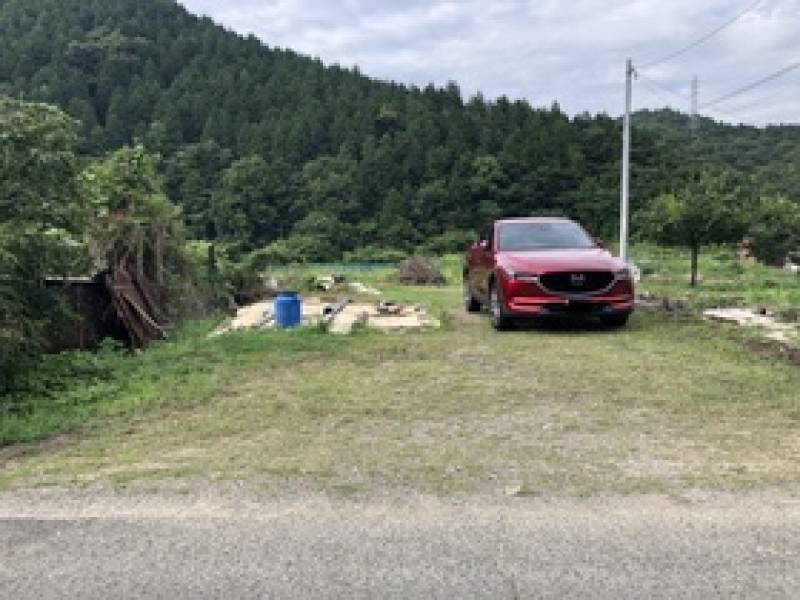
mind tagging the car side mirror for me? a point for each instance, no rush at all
(598, 243)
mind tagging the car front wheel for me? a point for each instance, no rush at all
(500, 319)
(470, 303)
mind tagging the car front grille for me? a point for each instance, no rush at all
(577, 282)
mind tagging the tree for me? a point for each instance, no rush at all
(327, 183)
(192, 175)
(40, 221)
(708, 210)
(250, 206)
(132, 217)
(385, 160)
(775, 230)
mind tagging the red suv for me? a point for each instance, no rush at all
(535, 267)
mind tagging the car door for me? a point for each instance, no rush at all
(483, 265)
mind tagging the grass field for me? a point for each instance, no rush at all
(669, 405)
(724, 281)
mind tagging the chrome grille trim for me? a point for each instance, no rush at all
(616, 279)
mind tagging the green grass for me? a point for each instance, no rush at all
(668, 405)
(724, 281)
(84, 389)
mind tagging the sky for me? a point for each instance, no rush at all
(567, 51)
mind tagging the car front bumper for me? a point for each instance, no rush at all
(529, 300)
(534, 307)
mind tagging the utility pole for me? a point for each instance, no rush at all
(626, 163)
(693, 108)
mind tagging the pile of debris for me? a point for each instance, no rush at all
(420, 271)
(664, 304)
(339, 317)
(121, 304)
(339, 283)
(342, 317)
(775, 330)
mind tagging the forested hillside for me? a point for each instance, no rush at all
(770, 155)
(259, 144)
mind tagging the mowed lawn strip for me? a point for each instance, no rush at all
(667, 405)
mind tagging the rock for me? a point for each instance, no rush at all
(389, 308)
(345, 322)
(325, 283)
(360, 288)
(514, 490)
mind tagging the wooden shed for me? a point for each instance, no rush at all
(120, 305)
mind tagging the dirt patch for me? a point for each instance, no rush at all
(771, 349)
(767, 322)
(344, 315)
(10, 455)
(662, 304)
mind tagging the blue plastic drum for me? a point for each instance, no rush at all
(288, 309)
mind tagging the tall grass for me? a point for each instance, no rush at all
(73, 389)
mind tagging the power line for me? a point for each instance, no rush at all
(652, 83)
(661, 91)
(657, 93)
(703, 39)
(752, 86)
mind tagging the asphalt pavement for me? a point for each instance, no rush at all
(106, 546)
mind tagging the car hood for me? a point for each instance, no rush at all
(544, 261)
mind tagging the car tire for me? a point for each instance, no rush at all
(471, 304)
(500, 320)
(615, 321)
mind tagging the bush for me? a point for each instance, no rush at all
(420, 271)
(375, 254)
(775, 231)
(457, 240)
(302, 248)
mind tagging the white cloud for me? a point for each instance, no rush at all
(543, 50)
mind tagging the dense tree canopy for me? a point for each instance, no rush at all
(40, 230)
(275, 143)
(259, 144)
(60, 220)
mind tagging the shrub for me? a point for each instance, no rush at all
(449, 242)
(301, 248)
(775, 231)
(375, 254)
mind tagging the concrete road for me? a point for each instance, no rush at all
(90, 545)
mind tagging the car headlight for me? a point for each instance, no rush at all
(520, 275)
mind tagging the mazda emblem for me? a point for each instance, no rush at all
(578, 279)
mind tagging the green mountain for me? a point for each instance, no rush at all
(769, 155)
(260, 144)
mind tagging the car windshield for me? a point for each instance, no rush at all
(520, 237)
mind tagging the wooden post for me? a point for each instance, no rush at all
(140, 251)
(158, 250)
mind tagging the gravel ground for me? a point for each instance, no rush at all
(220, 545)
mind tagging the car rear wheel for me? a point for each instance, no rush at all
(500, 319)
(471, 304)
(615, 321)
